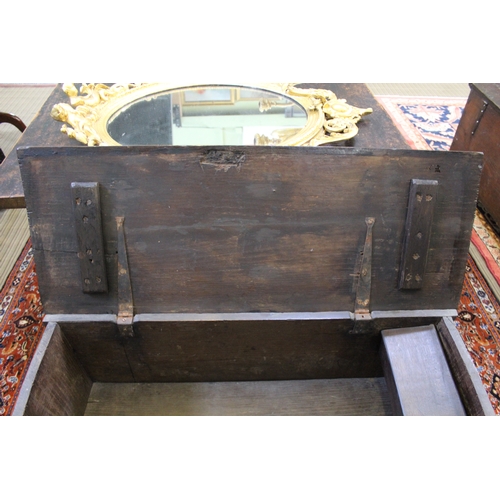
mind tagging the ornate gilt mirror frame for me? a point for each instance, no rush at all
(329, 119)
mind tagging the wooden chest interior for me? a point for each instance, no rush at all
(186, 280)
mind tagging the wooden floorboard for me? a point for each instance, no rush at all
(418, 374)
(348, 397)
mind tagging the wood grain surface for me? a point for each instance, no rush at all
(61, 386)
(479, 130)
(187, 351)
(465, 374)
(419, 379)
(87, 215)
(348, 397)
(282, 233)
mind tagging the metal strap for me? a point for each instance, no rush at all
(125, 300)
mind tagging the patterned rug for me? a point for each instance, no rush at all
(21, 327)
(426, 123)
(431, 123)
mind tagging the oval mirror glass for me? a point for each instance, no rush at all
(215, 115)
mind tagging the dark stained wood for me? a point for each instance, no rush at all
(491, 91)
(225, 347)
(254, 350)
(282, 233)
(88, 225)
(418, 377)
(348, 397)
(215, 253)
(200, 351)
(61, 386)
(13, 120)
(417, 233)
(479, 130)
(100, 348)
(376, 131)
(464, 372)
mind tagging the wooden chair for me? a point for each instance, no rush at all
(13, 120)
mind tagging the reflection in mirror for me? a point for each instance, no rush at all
(208, 116)
(222, 114)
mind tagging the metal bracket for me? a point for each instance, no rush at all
(362, 303)
(125, 315)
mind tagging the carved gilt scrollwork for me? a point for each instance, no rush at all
(329, 119)
(83, 112)
(339, 117)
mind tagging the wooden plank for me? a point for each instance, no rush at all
(283, 233)
(31, 374)
(490, 91)
(61, 385)
(417, 374)
(217, 350)
(478, 130)
(350, 397)
(99, 347)
(417, 235)
(464, 372)
(224, 347)
(375, 131)
(88, 225)
(254, 350)
(392, 388)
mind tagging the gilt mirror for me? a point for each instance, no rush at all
(205, 114)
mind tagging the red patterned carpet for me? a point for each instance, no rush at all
(427, 123)
(21, 327)
(479, 326)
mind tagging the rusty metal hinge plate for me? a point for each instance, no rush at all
(125, 315)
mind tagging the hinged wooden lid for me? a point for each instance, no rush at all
(253, 229)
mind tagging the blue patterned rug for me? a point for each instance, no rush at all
(425, 122)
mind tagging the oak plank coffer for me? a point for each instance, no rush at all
(247, 280)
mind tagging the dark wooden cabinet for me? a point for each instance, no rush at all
(479, 130)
